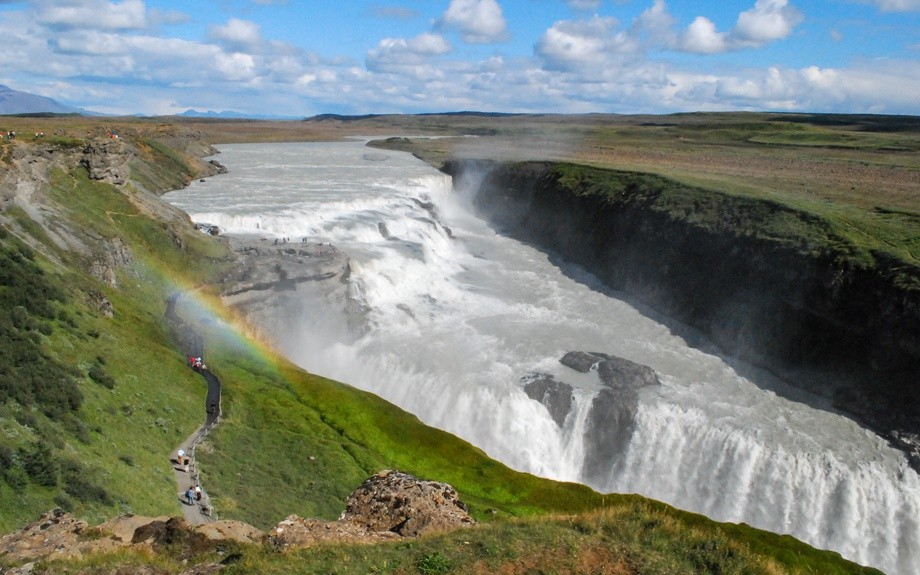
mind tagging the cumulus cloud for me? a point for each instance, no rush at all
(767, 21)
(396, 53)
(701, 37)
(478, 21)
(97, 14)
(236, 32)
(656, 25)
(582, 44)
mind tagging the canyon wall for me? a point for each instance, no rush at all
(767, 284)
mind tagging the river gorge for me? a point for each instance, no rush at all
(447, 315)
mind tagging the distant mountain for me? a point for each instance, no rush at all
(190, 113)
(16, 102)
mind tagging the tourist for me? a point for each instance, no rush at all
(190, 496)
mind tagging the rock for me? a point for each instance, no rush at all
(582, 361)
(619, 373)
(406, 505)
(382, 228)
(55, 532)
(107, 159)
(294, 532)
(229, 530)
(102, 303)
(555, 395)
(115, 254)
(608, 429)
(168, 532)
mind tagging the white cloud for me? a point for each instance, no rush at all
(584, 44)
(479, 21)
(701, 37)
(237, 32)
(96, 14)
(236, 67)
(656, 24)
(896, 5)
(396, 53)
(767, 21)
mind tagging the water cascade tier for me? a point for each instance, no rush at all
(541, 365)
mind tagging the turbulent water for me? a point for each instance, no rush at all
(457, 314)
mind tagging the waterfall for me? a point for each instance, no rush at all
(458, 314)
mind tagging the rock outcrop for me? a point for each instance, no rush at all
(396, 502)
(805, 310)
(389, 505)
(60, 535)
(276, 282)
(107, 159)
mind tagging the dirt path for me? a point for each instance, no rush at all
(199, 510)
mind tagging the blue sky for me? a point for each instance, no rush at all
(304, 57)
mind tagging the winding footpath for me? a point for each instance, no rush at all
(201, 511)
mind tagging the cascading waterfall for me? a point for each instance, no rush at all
(457, 315)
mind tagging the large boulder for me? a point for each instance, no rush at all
(619, 373)
(406, 505)
(583, 361)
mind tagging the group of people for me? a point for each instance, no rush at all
(193, 494)
(196, 363)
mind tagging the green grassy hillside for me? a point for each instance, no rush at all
(92, 406)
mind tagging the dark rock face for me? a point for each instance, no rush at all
(609, 427)
(555, 395)
(815, 319)
(107, 159)
(582, 361)
(406, 505)
(612, 418)
(619, 373)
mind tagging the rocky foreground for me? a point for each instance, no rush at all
(387, 506)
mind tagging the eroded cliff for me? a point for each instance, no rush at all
(768, 284)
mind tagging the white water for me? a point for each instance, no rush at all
(454, 324)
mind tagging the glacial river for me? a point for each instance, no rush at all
(458, 314)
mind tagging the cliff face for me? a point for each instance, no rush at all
(767, 284)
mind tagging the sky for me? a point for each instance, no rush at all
(298, 58)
